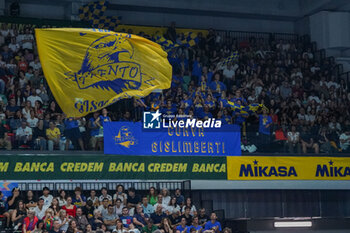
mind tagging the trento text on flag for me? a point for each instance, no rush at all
(89, 69)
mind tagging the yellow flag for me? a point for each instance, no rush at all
(89, 69)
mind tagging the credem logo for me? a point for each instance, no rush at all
(329, 170)
(255, 170)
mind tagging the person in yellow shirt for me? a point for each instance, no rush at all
(53, 135)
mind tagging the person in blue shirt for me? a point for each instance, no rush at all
(158, 215)
(265, 123)
(78, 200)
(186, 102)
(72, 132)
(198, 105)
(147, 208)
(206, 114)
(176, 81)
(169, 109)
(140, 218)
(103, 118)
(195, 225)
(197, 69)
(125, 218)
(213, 225)
(217, 86)
(94, 130)
(238, 96)
(183, 228)
(206, 74)
(210, 102)
(203, 84)
(223, 100)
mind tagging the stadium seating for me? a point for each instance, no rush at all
(284, 74)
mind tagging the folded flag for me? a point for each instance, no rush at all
(89, 69)
(233, 57)
(106, 22)
(245, 110)
(93, 10)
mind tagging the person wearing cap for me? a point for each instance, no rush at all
(78, 200)
(47, 197)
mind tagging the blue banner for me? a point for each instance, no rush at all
(127, 138)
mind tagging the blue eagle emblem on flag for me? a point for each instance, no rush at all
(108, 65)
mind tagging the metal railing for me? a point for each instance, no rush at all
(141, 187)
(245, 35)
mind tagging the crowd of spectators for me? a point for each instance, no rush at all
(306, 105)
(119, 211)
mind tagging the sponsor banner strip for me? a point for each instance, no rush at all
(118, 167)
(91, 167)
(287, 168)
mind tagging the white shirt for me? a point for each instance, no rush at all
(47, 200)
(102, 197)
(33, 98)
(14, 47)
(61, 202)
(164, 207)
(32, 122)
(93, 200)
(173, 209)
(40, 213)
(166, 200)
(135, 230)
(118, 211)
(26, 45)
(64, 227)
(24, 132)
(228, 73)
(193, 209)
(26, 114)
(23, 82)
(345, 137)
(36, 66)
(122, 197)
(317, 100)
(103, 210)
(293, 136)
